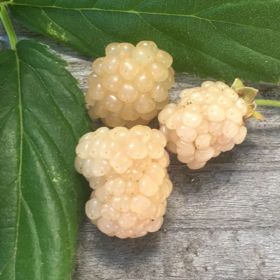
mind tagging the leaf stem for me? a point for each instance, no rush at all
(268, 102)
(4, 16)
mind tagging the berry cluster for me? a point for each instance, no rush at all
(130, 84)
(207, 120)
(126, 168)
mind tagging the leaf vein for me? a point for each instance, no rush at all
(34, 228)
(51, 98)
(21, 132)
(6, 117)
(185, 45)
(59, 25)
(141, 12)
(246, 47)
(43, 164)
(97, 28)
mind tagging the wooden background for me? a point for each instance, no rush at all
(222, 221)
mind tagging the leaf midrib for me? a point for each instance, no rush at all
(194, 16)
(19, 185)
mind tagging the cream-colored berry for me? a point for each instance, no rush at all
(207, 120)
(130, 84)
(127, 170)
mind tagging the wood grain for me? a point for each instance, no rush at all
(222, 221)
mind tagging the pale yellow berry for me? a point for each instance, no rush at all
(125, 49)
(118, 134)
(96, 92)
(139, 203)
(230, 93)
(121, 203)
(155, 151)
(164, 160)
(239, 138)
(167, 112)
(148, 186)
(242, 106)
(204, 155)
(196, 97)
(116, 186)
(203, 141)
(149, 45)
(129, 113)
(158, 71)
(166, 188)
(126, 169)
(112, 48)
(207, 120)
(164, 57)
(216, 113)
(130, 84)
(156, 173)
(93, 209)
(185, 158)
(203, 127)
(143, 54)
(186, 133)
(191, 119)
(144, 104)
(148, 116)
(221, 85)
(234, 115)
(159, 93)
(225, 101)
(97, 65)
(158, 136)
(127, 220)
(230, 129)
(185, 148)
(207, 84)
(155, 225)
(112, 103)
(106, 226)
(215, 128)
(97, 182)
(129, 68)
(132, 186)
(101, 194)
(108, 212)
(144, 132)
(112, 82)
(110, 64)
(79, 164)
(128, 93)
(120, 162)
(136, 148)
(144, 82)
(97, 110)
(173, 120)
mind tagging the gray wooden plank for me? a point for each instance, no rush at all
(222, 221)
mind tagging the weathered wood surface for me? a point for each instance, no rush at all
(222, 221)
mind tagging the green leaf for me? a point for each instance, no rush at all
(41, 117)
(217, 38)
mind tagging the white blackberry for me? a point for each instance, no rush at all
(130, 84)
(127, 170)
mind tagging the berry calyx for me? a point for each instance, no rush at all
(248, 94)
